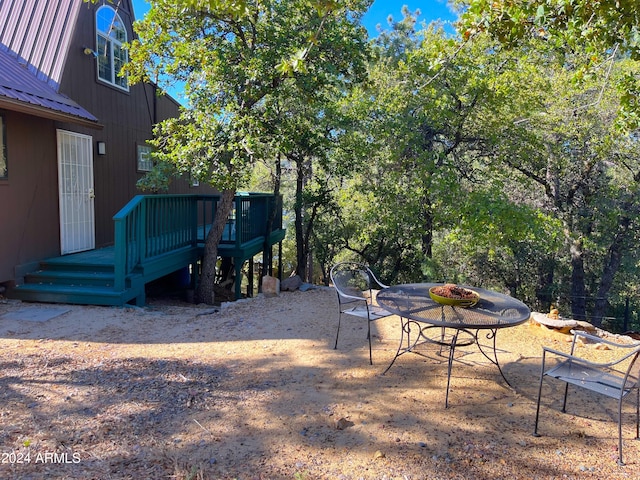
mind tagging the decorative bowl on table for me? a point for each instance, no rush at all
(453, 295)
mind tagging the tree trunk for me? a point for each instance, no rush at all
(578, 291)
(544, 295)
(427, 236)
(614, 259)
(267, 256)
(207, 279)
(301, 251)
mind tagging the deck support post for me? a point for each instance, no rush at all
(250, 279)
(141, 299)
(238, 279)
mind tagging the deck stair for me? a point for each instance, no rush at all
(155, 235)
(74, 279)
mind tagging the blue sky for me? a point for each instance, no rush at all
(377, 14)
(430, 10)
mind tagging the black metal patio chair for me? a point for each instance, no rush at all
(616, 379)
(355, 285)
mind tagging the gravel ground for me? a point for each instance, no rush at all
(255, 390)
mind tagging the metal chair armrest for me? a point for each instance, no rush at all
(351, 298)
(558, 353)
(595, 338)
(583, 361)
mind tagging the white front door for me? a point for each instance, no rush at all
(75, 191)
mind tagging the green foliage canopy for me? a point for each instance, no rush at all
(595, 27)
(231, 57)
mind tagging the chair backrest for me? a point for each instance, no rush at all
(352, 279)
(632, 379)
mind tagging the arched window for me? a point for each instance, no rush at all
(110, 36)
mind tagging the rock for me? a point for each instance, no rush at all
(290, 284)
(307, 286)
(561, 325)
(634, 335)
(586, 326)
(270, 286)
(343, 423)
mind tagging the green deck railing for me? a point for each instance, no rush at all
(251, 212)
(152, 226)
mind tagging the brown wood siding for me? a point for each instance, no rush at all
(29, 198)
(128, 119)
(29, 228)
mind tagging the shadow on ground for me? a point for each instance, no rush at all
(258, 392)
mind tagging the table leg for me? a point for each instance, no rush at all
(420, 337)
(442, 343)
(452, 351)
(405, 330)
(491, 335)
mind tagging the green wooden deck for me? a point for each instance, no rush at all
(155, 235)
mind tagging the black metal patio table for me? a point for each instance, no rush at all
(415, 307)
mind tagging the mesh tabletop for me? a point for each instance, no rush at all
(493, 310)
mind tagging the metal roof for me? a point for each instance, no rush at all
(20, 87)
(39, 32)
(34, 41)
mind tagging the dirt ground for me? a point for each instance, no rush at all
(255, 390)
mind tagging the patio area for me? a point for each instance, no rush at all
(255, 390)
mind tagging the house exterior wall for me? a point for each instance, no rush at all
(29, 227)
(128, 119)
(28, 198)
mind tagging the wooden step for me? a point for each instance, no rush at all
(74, 294)
(68, 277)
(76, 264)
